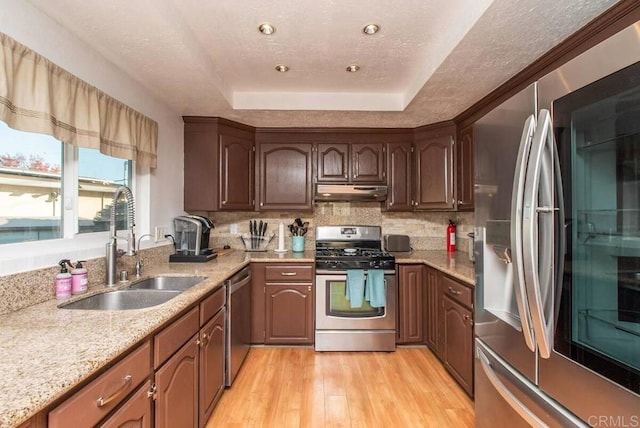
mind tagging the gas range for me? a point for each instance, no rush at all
(339, 248)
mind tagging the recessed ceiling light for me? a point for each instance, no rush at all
(352, 68)
(267, 29)
(282, 68)
(371, 29)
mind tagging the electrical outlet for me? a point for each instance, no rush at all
(159, 233)
(233, 228)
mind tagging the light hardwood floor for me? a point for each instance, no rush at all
(297, 387)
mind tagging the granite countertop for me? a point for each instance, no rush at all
(455, 264)
(46, 351)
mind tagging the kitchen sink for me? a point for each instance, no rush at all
(173, 283)
(123, 300)
(141, 294)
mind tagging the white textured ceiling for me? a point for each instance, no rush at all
(431, 60)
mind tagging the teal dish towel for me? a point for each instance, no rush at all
(374, 290)
(354, 287)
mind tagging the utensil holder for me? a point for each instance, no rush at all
(253, 243)
(297, 244)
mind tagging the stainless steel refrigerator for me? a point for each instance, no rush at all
(557, 227)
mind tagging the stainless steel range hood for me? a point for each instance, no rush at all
(350, 192)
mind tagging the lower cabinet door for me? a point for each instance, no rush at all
(212, 337)
(289, 314)
(432, 312)
(177, 388)
(458, 340)
(134, 413)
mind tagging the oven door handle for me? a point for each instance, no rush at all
(344, 272)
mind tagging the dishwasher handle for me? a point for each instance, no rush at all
(239, 280)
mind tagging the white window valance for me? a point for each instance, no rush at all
(39, 96)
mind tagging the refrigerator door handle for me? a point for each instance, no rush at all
(538, 203)
(507, 395)
(516, 231)
(561, 233)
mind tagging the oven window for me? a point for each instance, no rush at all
(339, 306)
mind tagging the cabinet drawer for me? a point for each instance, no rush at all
(212, 304)
(457, 291)
(93, 402)
(289, 273)
(167, 342)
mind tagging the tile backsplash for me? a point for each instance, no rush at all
(25, 289)
(427, 230)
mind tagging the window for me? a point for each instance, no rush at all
(98, 177)
(39, 180)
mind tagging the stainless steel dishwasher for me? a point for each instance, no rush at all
(238, 323)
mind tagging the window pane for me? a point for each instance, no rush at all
(30, 186)
(98, 177)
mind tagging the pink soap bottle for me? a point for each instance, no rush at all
(79, 279)
(63, 281)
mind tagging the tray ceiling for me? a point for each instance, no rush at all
(430, 60)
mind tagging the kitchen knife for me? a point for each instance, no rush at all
(252, 231)
(259, 236)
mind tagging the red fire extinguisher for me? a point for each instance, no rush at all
(451, 237)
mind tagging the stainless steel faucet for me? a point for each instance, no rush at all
(112, 245)
(139, 263)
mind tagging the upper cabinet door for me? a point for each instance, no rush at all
(367, 163)
(434, 170)
(333, 163)
(219, 167)
(399, 177)
(464, 166)
(285, 171)
(236, 173)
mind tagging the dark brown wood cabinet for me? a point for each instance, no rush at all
(351, 163)
(433, 168)
(237, 184)
(219, 158)
(333, 163)
(399, 177)
(431, 307)
(368, 163)
(285, 176)
(177, 388)
(458, 339)
(282, 305)
(212, 355)
(464, 169)
(289, 314)
(411, 288)
(456, 306)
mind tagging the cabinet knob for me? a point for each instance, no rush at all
(262, 204)
(454, 291)
(224, 202)
(152, 392)
(346, 176)
(309, 289)
(390, 204)
(198, 342)
(459, 201)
